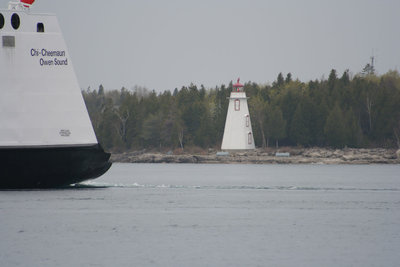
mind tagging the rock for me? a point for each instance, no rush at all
(297, 156)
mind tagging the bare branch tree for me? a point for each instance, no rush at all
(369, 104)
(123, 118)
(180, 137)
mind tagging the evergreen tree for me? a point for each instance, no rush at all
(287, 100)
(368, 69)
(332, 80)
(299, 130)
(279, 80)
(288, 78)
(354, 133)
(276, 125)
(335, 128)
(345, 79)
(152, 129)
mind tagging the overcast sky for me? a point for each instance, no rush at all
(164, 45)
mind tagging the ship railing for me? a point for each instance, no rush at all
(18, 6)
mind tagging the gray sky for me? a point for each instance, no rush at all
(163, 44)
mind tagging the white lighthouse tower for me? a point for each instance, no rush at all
(238, 134)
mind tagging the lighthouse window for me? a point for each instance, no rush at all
(247, 120)
(250, 139)
(237, 104)
(40, 27)
(1, 21)
(15, 22)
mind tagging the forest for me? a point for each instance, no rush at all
(362, 111)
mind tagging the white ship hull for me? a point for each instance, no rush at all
(46, 136)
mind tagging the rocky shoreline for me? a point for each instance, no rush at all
(269, 156)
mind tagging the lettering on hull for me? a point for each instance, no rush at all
(50, 57)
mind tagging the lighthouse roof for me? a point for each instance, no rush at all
(238, 84)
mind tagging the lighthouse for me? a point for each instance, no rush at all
(238, 134)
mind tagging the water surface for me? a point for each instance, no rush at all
(209, 215)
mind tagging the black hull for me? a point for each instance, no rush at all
(51, 167)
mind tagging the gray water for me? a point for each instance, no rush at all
(209, 215)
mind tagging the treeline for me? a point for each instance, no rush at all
(360, 111)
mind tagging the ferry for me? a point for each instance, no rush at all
(46, 136)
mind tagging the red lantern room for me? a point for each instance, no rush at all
(27, 3)
(238, 87)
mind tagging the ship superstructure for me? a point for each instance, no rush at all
(46, 137)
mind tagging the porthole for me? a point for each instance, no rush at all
(15, 22)
(1, 21)
(40, 27)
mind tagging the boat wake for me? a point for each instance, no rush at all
(93, 184)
